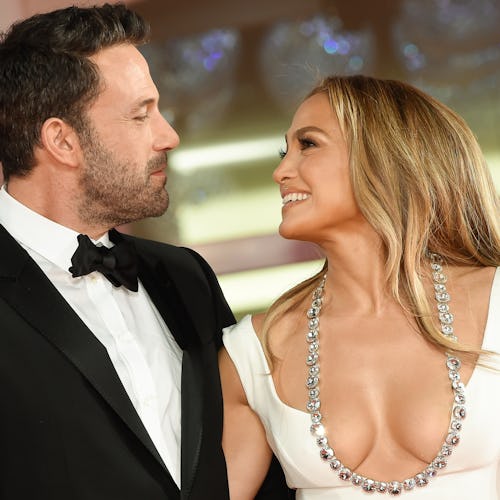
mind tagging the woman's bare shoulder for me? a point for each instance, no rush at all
(470, 288)
(474, 279)
(258, 323)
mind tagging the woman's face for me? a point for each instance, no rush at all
(318, 200)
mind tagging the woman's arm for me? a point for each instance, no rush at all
(244, 440)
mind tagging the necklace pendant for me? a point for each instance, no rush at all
(409, 484)
(381, 486)
(326, 454)
(345, 473)
(395, 488)
(312, 359)
(316, 417)
(313, 405)
(368, 486)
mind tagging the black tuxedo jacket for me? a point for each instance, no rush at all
(68, 430)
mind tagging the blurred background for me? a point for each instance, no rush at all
(230, 74)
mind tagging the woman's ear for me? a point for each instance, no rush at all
(61, 141)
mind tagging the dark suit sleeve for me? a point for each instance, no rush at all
(223, 314)
(274, 486)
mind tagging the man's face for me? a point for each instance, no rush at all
(125, 144)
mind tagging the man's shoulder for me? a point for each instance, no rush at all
(10, 250)
(160, 249)
(177, 259)
(150, 244)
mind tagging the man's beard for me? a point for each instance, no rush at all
(116, 192)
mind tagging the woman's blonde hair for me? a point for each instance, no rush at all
(420, 179)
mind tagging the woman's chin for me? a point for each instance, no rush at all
(292, 233)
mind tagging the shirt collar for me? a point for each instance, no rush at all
(47, 238)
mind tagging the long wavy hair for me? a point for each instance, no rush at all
(421, 181)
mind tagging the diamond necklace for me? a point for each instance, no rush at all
(458, 412)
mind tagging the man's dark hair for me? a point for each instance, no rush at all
(45, 72)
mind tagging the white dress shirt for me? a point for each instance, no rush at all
(145, 356)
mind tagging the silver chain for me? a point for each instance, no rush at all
(458, 412)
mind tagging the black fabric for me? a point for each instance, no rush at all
(67, 427)
(65, 407)
(118, 264)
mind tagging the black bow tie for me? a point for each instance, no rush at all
(118, 264)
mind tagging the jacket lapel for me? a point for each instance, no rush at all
(27, 289)
(166, 298)
(174, 308)
(192, 417)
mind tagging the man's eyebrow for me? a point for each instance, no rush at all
(141, 104)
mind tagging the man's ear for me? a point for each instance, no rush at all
(61, 141)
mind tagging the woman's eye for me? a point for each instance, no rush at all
(306, 143)
(141, 118)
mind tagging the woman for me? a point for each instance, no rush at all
(374, 375)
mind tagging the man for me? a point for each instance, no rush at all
(108, 378)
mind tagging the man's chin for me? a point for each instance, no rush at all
(160, 206)
(158, 213)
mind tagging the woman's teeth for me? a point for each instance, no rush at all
(294, 197)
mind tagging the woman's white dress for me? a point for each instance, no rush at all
(473, 471)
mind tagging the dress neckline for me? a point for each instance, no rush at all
(488, 343)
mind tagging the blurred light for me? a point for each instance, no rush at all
(196, 75)
(224, 154)
(256, 290)
(294, 56)
(453, 41)
(493, 161)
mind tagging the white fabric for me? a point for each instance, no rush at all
(145, 356)
(473, 469)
